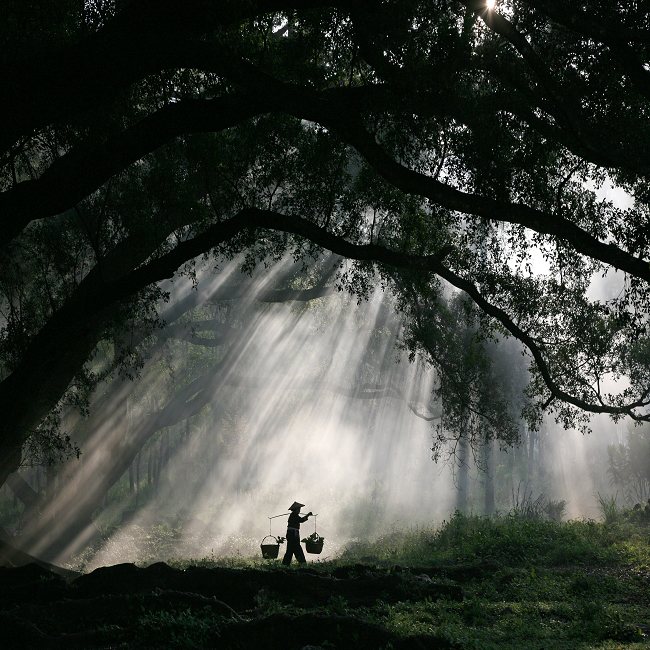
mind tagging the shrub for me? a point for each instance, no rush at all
(609, 508)
(509, 540)
(184, 629)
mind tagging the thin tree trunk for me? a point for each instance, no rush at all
(531, 465)
(489, 506)
(137, 477)
(462, 498)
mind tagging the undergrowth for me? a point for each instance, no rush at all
(509, 539)
(527, 583)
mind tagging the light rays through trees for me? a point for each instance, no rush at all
(297, 398)
(251, 392)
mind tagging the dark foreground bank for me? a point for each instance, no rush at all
(504, 583)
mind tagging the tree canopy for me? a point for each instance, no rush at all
(439, 144)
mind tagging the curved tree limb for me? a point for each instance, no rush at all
(145, 37)
(166, 265)
(89, 167)
(335, 115)
(85, 168)
(60, 349)
(435, 264)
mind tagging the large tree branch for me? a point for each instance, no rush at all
(61, 348)
(86, 167)
(434, 263)
(255, 218)
(516, 213)
(556, 391)
(149, 38)
(145, 37)
(336, 115)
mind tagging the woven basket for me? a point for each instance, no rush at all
(270, 551)
(314, 547)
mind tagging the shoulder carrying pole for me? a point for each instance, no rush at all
(284, 514)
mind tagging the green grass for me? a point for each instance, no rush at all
(516, 541)
(184, 629)
(528, 584)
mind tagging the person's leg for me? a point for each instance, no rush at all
(293, 540)
(300, 555)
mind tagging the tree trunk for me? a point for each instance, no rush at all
(489, 506)
(57, 353)
(462, 497)
(533, 463)
(137, 477)
(131, 479)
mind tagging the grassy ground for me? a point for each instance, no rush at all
(526, 583)
(507, 582)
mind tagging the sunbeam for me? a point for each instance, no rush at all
(251, 404)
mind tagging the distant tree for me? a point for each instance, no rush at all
(478, 403)
(403, 134)
(629, 464)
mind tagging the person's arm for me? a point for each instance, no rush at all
(303, 519)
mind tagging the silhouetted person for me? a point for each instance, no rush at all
(293, 534)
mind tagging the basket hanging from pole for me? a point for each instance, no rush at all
(314, 546)
(270, 550)
(314, 543)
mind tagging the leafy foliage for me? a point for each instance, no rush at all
(629, 465)
(406, 135)
(525, 583)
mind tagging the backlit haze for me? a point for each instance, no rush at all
(301, 400)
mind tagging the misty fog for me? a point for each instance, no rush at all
(254, 397)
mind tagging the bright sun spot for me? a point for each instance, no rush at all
(490, 4)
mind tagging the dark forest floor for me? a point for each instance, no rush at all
(476, 583)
